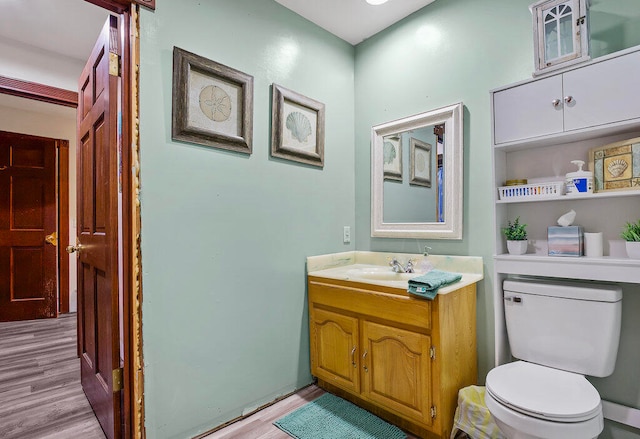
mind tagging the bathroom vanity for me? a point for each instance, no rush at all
(398, 356)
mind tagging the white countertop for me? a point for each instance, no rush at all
(345, 266)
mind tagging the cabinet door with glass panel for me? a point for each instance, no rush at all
(560, 33)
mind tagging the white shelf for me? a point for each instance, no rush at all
(601, 269)
(610, 194)
(627, 126)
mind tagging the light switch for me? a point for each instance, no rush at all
(346, 235)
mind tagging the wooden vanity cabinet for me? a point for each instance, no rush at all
(402, 358)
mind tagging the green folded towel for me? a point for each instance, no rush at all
(427, 285)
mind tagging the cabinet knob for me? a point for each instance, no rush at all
(556, 102)
(568, 99)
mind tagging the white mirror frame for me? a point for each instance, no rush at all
(451, 228)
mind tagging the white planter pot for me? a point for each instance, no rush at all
(633, 249)
(517, 247)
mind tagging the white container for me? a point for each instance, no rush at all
(534, 191)
(593, 245)
(580, 181)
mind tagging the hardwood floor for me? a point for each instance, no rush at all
(259, 425)
(40, 392)
(41, 396)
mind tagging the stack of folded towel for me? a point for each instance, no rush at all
(427, 285)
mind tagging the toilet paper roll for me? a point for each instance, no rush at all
(593, 245)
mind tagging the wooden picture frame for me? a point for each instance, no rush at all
(212, 103)
(616, 166)
(420, 163)
(392, 158)
(297, 127)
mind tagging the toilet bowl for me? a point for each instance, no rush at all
(529, 401)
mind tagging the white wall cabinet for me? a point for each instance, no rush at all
(533, 137)
(600, 93)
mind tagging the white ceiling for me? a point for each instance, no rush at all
(65, 27)
(353, 20)
(69, 27)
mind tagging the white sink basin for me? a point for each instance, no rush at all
(380, 273)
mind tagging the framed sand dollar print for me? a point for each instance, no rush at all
(212, 103)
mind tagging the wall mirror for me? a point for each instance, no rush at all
(416, 176)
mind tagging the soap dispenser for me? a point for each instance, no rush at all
(580, 181)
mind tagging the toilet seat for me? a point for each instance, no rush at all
(543, 392)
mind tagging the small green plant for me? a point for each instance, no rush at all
(631, 232)
(515, 231)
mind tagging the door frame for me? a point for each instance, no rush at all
(128, 10)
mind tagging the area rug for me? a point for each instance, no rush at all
(330, 417)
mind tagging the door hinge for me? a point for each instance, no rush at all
(433, 412)
(114, 64)
(580, 20)
(432, 353)
(117, 380)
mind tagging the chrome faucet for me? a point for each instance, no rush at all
(397, 267)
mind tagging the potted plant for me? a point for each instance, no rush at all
(631, 234)
(516, 234)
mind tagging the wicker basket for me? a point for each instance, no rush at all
(534, 191)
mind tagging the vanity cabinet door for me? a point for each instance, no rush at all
(602, 93)
(529, 110)
(334, 348)
(396, 370)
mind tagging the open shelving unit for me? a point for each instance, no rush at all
(538, 127)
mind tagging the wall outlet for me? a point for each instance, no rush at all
(346, 235)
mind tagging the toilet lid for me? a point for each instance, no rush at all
(544, 392)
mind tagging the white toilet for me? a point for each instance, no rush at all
(560, 331)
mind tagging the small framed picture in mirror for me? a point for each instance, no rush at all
(420, 163)
(392, 158)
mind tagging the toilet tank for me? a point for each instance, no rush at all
(573, 326)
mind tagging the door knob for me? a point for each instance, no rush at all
(568, 99)
(556, 102)
(52, 239)
(74, 248)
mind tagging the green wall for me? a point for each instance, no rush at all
(456, 51)
(225, 235)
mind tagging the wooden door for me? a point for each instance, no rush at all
(28, 280)
(396, 366)
(97, 242)
(334, 350)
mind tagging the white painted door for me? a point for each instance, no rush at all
(528, 110)
(602, 93)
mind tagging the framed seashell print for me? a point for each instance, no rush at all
(616, 166)
(392, 157)
(212, 103)
(420, 157)
(297, 127)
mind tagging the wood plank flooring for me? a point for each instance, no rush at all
(259, 425)
(41, 396)
(40, 392)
